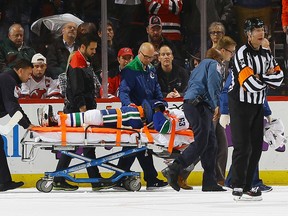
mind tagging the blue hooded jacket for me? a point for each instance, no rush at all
(138, 84)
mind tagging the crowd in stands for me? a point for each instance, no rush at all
(174, 23)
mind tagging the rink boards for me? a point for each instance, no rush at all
(273, 165)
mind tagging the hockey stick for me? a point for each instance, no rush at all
(5, 129)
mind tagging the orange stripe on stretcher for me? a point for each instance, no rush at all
(172, 137)
(119, 125)
(100, 130)
(145, 128)
(63, 118)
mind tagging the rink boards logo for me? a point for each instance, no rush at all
(11, 143)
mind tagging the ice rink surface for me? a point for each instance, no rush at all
(166, 202)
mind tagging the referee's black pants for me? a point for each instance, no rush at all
(204, 145)
(247, 137)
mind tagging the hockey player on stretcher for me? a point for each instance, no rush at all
(131, 117)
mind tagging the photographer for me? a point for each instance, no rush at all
(201, 101)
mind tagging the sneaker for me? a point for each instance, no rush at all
(183, 183)
(265, 188)
(213, 188)
(10, 185)
(102, 185)
(46, 117)
(64, 186)
(171, 173)
(159, 184)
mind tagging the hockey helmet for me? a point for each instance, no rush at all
(252, 23)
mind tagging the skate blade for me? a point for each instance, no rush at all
(245, 197)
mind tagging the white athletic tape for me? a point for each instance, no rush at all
(5, 129)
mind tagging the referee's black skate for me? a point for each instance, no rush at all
(254, 194)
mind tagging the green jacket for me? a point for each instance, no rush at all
(9, 54)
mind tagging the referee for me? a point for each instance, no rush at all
(254, 71)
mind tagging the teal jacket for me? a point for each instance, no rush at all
(9, 54)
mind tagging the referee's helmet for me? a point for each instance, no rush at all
(252, 23)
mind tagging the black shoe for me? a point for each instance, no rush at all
(172, 173)
(213, 188)
(64, 186)
(102, 185)
(10, 185)
(158, 184)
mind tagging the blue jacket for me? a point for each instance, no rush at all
(205, 80)
(224, 108)
(138, 84)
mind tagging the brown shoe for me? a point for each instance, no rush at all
(183, 183)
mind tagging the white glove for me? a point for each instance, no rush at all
(224, 120)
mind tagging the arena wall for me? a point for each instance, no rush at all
(273, 165)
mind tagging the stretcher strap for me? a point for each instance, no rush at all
(145, 128)
(119, 125)
(172, 137)
(63, 118)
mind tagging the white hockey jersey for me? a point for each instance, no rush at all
(46, 88)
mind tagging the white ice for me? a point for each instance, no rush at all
(166, 202)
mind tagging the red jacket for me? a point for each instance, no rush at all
(169, 13)
(114, 83)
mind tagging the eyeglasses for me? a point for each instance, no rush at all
(216, 32)
(146, 56)
(231, 52)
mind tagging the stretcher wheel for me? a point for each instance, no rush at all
(132, 184)
(44, 186)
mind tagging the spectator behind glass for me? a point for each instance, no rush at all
(84, 28)
(170, 16)
(125, 56)
(59, 51)
(40, 86)
(112, 50)
(155, 37)
(13, 48)
(172, 78)
(216, 31)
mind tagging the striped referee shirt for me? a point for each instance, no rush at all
(249, 78)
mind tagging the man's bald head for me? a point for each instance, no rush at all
(146, 53)
(16, 34)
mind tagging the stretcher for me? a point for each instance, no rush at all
(68, 140)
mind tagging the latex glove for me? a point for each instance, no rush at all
(224, 120)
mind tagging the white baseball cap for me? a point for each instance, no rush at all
(38, 58)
